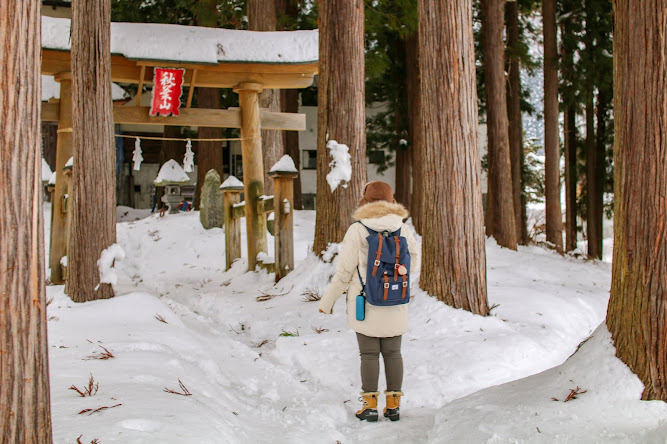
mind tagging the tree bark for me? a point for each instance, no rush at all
(554, 217)
(209, 154)
(289, 101)
(454, 258)
(414, 130)
(504, 228)
(262, 17)
(340, 115)
(515, 121)
(570, 178)
(25, 415)
(93, 210)
(593, 184)
(636, 315)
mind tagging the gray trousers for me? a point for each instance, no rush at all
(370, 349)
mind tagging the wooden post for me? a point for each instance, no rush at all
(68, 209)
(283, 199)
(58, 247)
(253, 169)
(231, 195)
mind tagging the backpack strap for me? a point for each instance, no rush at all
(385, 278)
(398, 257)
(362, 282)
(405, 285)
(378, 253)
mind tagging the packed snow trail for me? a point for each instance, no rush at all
(264, 366)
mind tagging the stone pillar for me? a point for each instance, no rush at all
(253, 168)
(59, 235)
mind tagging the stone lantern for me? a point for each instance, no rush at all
(171, 177)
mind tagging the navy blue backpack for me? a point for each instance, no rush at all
(388, 267)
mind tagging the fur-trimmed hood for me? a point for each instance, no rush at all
(381, 215)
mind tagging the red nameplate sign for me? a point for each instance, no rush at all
(167, 90)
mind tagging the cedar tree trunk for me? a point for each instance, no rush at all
(262, 17)
(454, 258)
(636, 315)
(500, 191)
(209, 154)
(414, 132)
(93, 210)
(25, 415)
(340, 115)
(515, 120)
(554, 217)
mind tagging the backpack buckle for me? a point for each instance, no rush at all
(376, 263)
(405, 283)
(386, 285)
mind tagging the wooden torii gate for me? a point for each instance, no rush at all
(247, 79)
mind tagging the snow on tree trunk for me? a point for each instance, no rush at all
(636, 315)
(93, 210)
(341, 115)
(453, 254)
(211, 210)
(25, 415)
(501, 223)
(554, 217)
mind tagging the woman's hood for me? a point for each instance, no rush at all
(381, 215)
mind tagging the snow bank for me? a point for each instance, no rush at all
(171, 173)
(284, 165)
(341, 168)
(608, 408)
(194, 44)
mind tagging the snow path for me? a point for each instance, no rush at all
(251, 382)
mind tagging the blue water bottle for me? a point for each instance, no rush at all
(361, 307)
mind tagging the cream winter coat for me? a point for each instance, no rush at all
(382, 322)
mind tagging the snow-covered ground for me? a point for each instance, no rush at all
(264, 366)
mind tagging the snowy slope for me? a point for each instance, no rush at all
(259, 371)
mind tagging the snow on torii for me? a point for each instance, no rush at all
(247, 61)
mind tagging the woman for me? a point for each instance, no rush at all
(383, 326)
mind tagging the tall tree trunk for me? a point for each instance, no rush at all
(414, 130)
(594, 202)
(289, 101)
(570, 137)
(454, 258)
(636, 315)
(500, 169)
(93, 210)
(262, 17)
(515, 121)
(570, 178)
(340, 115)
(25, 415)
(554, 217)
(403, 167)
(209, 154)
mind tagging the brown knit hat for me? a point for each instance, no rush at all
(377, 190)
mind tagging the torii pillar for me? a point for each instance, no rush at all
(253, 169)
(58, 244)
